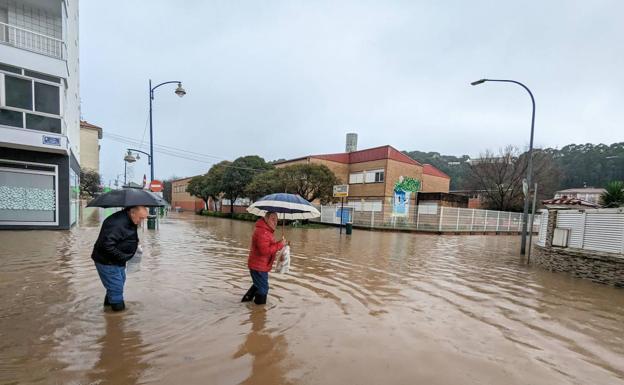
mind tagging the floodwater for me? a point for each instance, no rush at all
(371, 308)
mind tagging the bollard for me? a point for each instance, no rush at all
(151, 222)
(349, 228)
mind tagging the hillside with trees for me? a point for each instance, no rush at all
(577, 165)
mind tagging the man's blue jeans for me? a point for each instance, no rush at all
(113, 278)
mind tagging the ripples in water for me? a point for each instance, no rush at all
(371, 308)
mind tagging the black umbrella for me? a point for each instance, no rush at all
(127, 198)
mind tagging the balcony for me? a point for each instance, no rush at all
(31, 41)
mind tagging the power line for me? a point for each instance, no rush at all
(178, 152)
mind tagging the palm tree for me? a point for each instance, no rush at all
(614, 194)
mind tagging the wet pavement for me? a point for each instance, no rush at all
(372, 308)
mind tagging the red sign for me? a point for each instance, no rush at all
(156, 186)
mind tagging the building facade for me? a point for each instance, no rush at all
(39, 114)
(589, 194)
(90, 136)
(373, 175)
(181, 200)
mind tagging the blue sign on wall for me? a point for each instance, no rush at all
(51, 140)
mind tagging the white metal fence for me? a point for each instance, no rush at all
(427, 218)
(31, 41)
(597, 229)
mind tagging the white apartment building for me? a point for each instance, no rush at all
(39, 114)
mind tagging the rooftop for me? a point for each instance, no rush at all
(432, 170)
(568, 202)
(582, 190)
(367, 155)
(89, 126)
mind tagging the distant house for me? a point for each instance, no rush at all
(372, 173)
(569, 203)
(182, 200)
(90, 136)
(588, 194)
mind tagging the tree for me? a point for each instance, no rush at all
(499, 177)
(263, 184)
(209, 185)
(90, 182)
(239, 175)
(311, 181)
(214, 182)
(614, 195)
(198, 187)
(578, 164)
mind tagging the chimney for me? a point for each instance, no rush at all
(351, 142)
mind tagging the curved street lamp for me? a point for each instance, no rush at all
(178, 91)
(525, 212)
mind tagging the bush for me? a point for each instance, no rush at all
(238, 216)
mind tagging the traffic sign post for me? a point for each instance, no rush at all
(341, 191)
(156, 186)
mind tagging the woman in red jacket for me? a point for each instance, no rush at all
(261, 257)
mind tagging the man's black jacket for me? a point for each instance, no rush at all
(118, 240)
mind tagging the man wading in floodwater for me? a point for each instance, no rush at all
(116, 244)
(261, 257)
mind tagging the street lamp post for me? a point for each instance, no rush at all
(151, 222)
(525, 212)
(130, 158)
(178, 91)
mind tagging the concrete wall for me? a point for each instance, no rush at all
(341, 170)
(432, 183)
(395, 170)
(599, 267)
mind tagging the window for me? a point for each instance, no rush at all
(428, 208)
(11, 118)
(356, 178)
(18, 92)
(27, 195)
(374, 176)
(359, 205)
(8, 68)
(47, 98)
(74, 196)
(39, 102)
(37, 75)
(43, 123)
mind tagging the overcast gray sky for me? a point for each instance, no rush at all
(284, 79)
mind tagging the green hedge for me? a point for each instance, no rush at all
(253, 218)
(239, 216)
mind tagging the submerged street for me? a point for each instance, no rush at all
(370, 308)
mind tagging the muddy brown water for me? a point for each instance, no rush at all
(372, 308)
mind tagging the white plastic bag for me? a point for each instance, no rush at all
(283, 260)
(134, 264)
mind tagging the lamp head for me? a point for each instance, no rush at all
(129, 158)
(476, 83)
(180, 91)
